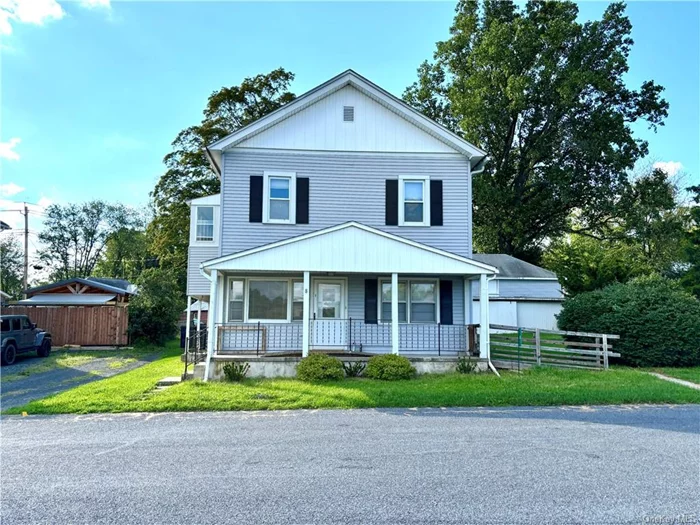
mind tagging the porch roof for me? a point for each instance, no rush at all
(350, 247)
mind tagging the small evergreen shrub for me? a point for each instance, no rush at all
(657, 321)
(465, 365)
(320, 367)
(236, 371)
(389, 367)
(353, 368)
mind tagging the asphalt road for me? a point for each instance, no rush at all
(527, 465)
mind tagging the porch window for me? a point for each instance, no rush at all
(297, 301)
(386, 302)
(205, 223)
(417, 301)
(235, 300)
(267, 300)
(423, 303)
(280, 193)
(414, 201)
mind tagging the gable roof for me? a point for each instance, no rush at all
(349, 77)
(350, 247)
(511, 268)
(118, 286)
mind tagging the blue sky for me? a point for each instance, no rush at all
(96, 92)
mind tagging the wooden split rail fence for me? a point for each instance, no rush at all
(516, 347)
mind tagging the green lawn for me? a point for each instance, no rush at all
(689, 374)
(134, 391)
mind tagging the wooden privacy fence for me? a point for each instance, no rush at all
(79, 325)
(515, 347)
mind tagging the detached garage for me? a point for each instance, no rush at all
(85, 312)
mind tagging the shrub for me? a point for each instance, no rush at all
(236, 371)
(320, 367)
(353, 368)
(389, 367)
(465, 365)
(155, 309)
(658, 322)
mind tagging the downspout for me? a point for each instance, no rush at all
(493, 368)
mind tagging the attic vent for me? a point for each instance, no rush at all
(348, 113)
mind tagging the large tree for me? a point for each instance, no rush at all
(545, 96)
(691, 279)
(74, 235)
(188, 174)
(11, 265)
(125, 255)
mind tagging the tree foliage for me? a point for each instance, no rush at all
(11, 266)
(155, 310)
(691, 245)
(188, 174)
(74, 235)
(545, 96)
(656, 319)
(125, 255)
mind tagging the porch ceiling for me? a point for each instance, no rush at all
(350, 247)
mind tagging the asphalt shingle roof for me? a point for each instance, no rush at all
(510, 267)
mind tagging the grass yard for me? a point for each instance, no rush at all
(134, 391)
(691, 374)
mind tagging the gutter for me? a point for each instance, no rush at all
(476, 170)
(207, 363)
(212, 161)
(493, 368)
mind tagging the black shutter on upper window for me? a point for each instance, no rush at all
(436, 203)
(446, 302)
(302, 201)
(370, 301)
(392, 203)
(255, 213)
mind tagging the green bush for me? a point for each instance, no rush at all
(389, 367)
(353, 368)
(236, 371)
(658, 323)
(155, 309)
(465, 365)
(320, 367)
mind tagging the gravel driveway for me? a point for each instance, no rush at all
(23, 389)
(495, 466)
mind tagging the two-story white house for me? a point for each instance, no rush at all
(344, 223)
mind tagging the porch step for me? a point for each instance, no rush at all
(169, 381)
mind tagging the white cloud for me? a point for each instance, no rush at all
(10, 189)
(35, 12)
(670, 167)
(96, 4)
(7, 149)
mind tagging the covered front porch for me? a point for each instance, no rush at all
(349, 289)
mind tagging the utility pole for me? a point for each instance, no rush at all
(26, 249)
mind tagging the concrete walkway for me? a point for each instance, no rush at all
(683, 382)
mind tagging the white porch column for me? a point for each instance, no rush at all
(189, 322)
(306, 318)
(484, 338)
(395, 313)
(199, 322)
(211, 322)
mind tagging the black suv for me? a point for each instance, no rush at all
(20, 335)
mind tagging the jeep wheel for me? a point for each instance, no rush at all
(9, 355)
(44, 349)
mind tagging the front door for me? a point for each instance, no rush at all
(329, 325)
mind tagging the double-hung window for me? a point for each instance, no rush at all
(280, 192)
(205, 224)
(414, 201)
(235, 300)
(417, 301)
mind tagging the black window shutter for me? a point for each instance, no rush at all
(392, 203)
(302, 200)
(256, 198)
(370, 301)
(436, 203)
(445, 302)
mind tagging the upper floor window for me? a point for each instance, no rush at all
(279, 197)
(414, 201)
(205, 224)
